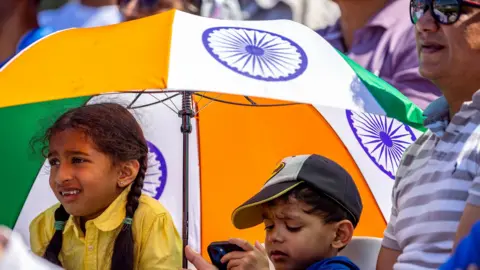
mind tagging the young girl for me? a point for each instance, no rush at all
(98, 159)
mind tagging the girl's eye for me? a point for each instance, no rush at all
(268, 228)
(54, 162)
(293, 229)
(78, 160)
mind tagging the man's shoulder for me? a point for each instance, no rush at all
(419, 144)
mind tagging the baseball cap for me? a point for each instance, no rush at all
(321, 173)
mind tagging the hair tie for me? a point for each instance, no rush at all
(128, 221)
(59, 225)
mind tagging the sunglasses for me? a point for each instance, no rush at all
(443, 11)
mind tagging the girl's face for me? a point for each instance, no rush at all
(295, 239)
(83, 179)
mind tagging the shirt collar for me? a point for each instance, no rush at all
(437, 116)
(109, 220)
(438, 113)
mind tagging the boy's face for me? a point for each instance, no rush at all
(295, 239)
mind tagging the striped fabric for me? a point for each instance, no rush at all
(438, 175)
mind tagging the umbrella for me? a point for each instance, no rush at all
(242, 82)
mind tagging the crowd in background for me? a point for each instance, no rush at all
(377, 35)
(431, 58)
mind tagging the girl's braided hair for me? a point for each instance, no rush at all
(115, 132)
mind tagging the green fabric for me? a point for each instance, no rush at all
(394, 103)
(20, 160)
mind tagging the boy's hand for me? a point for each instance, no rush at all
(253, 258)
(197, 260)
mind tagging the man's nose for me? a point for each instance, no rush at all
(427, 23)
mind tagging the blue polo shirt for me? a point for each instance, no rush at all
(334, 263)
(467, 252)
(28, 39)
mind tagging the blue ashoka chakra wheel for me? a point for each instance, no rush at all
(256, 53)
(383, 139)
(156, 175)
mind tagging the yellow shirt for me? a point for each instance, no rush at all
(157, 242)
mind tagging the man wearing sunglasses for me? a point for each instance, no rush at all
(18, 27)
(81, 13)
(136, 9)
(377, 35)
(436, 196)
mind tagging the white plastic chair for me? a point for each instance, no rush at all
(363, 251)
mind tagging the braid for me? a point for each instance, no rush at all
(55, 245)
(123, 251)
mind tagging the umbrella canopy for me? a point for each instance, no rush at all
(234, 148)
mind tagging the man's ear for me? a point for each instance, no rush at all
(343, 234)
(128, 171)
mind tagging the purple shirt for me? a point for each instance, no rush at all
(386, 47)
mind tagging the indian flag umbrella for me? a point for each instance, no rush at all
(243, 91)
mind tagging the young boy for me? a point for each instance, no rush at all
(309, 207)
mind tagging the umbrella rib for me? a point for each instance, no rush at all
(250, 100)
(198, 102)
(210, 102)
(157, 102)
(171, 100)
(134, 100)
(244, 104)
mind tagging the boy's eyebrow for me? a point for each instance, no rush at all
(283, 217)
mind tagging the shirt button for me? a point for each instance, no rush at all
(90, 248)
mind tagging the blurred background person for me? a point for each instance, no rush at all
(81, 13)
(379, 36)
(313, 13)
(136, 9)
(18, 27)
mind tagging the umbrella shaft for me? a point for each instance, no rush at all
(186, 114)
(185, 228)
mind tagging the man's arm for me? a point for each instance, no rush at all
(390, 250)
(470, 216)
(387, 258)
(466, 253)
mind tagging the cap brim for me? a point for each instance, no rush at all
(249, 214)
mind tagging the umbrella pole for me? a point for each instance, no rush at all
(186, 113)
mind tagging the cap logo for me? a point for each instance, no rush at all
(277, 170)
